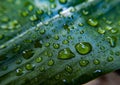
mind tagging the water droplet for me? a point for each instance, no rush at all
(56, 37)
(83, 48)
(81, 24)
(63, 1)
(65, 54)
(47, 44)
(92, 22)
(110, 59)
(19, 61)
(53, 5)
(42, 69)
(27, 54)
(42, 31)
(40, 12)
(56, 46)
(97, 72)
(83, 63)
(114, 31)
(38, 59)
(19, 71)
(96, 61)
(112, 40)
(101, 31)
(29, 66)
(38, 44)
(50, 62)
(30, 7)
(16, 48)
(25, 13)
(69, 69)
(33, 18)
(85, 12)
(65, 42)
(108, 27)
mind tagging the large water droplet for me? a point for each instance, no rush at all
(83, 48)
(65, 54)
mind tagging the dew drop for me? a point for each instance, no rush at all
(42, 69)
(101, 31)
(19, 61)
(50, 62)
(57, 77)
(92, 22)
(83, 63)
(96, 61)
(42, 31)
(29, 66)
(19, 71)
(38, 59)
(83, 48)
(56, 46)
(110, 59)
(69, 69)
(65, 54)
(63, 1)
(27, 54)
(112, 40)
(56, 37)
(65, 42)
(38, 44)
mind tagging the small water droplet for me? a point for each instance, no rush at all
(42, 69)
(29, 66)
(42, 31)
(50, 62)
(63, 1)
(38, 44)
(101, 31)
(19, 61)
(84, 63)
(65, 54)
(112, 40)
(65, 42)
(69, 69)
(83, 48)
(92, 22)
(47, 44)
(38, 59)
(19, 71)
(96, 61)
(40, 12)
(56, 46)
(33, 18)
(27, 54)
(110, 59)
(56, 37)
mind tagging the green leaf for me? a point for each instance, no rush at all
(58, 42)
